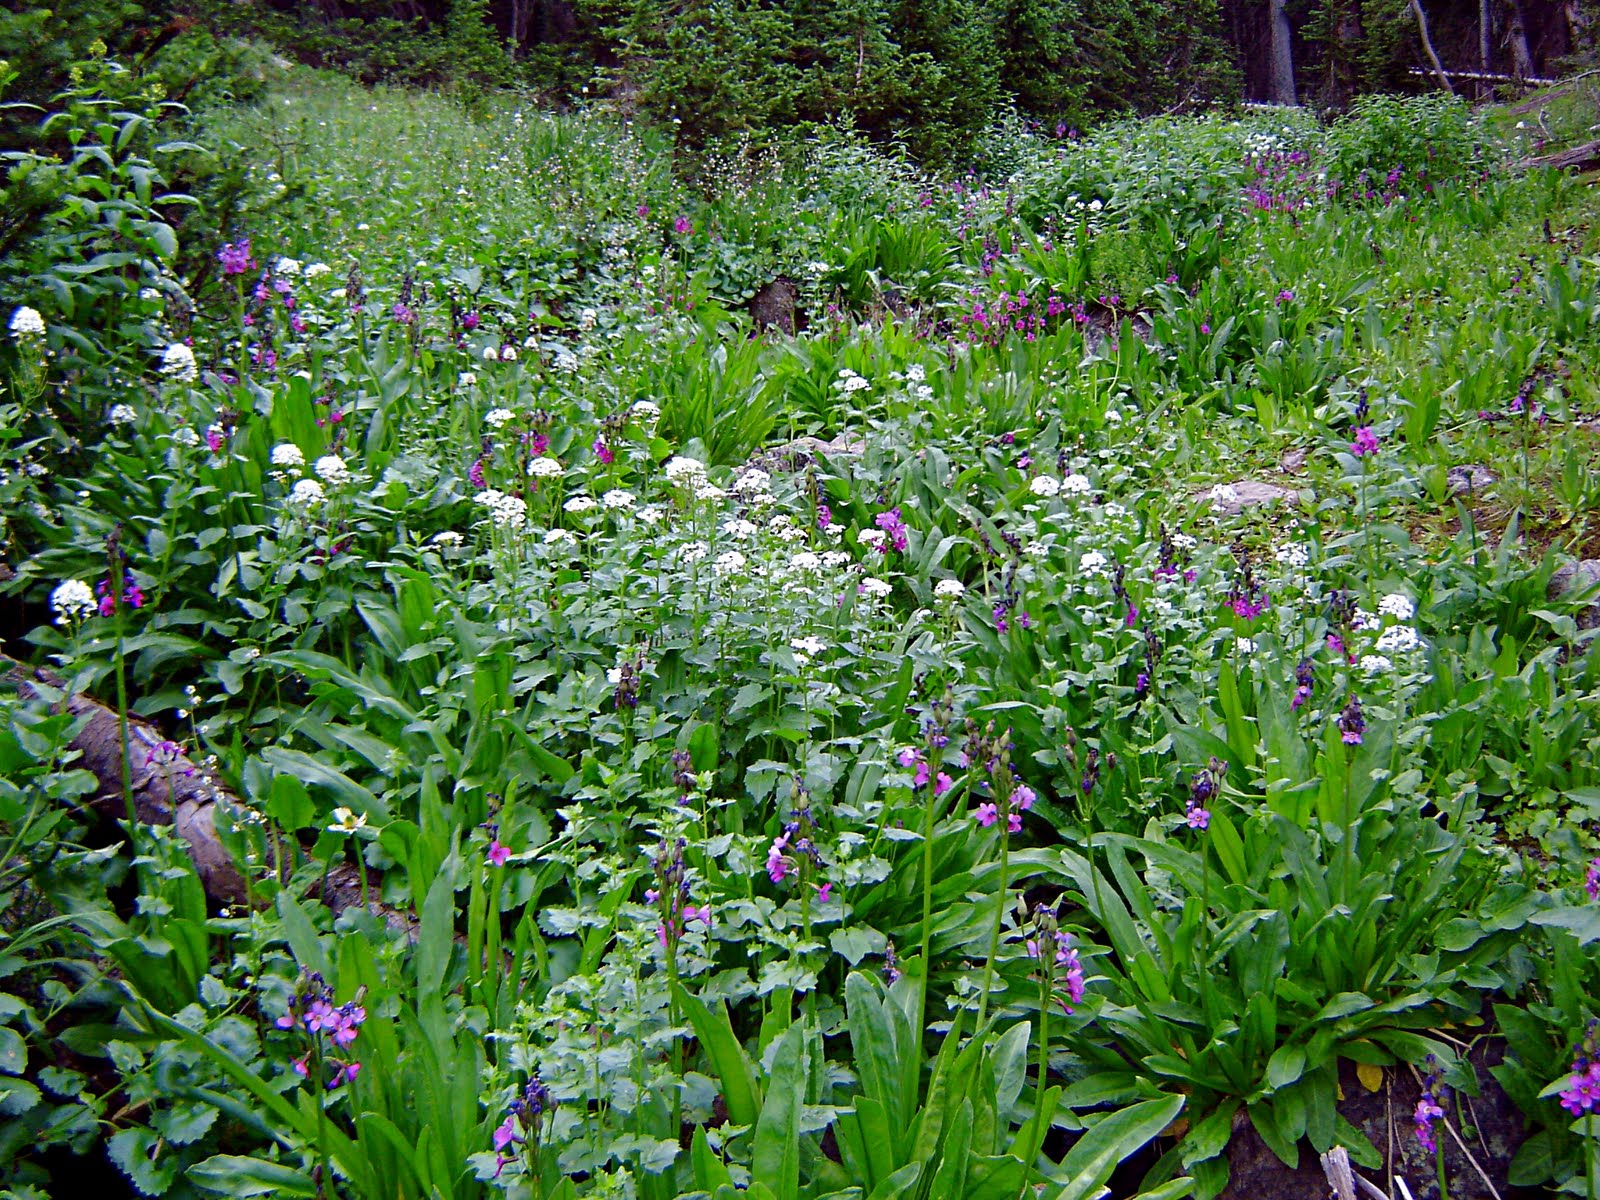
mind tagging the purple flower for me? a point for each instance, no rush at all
(603, 452)
(941, 783)
(1428, 1108)
(1591, 883)
(1285, 296)
(1366, 442)
(987, 813)
(1352, 725)
(643, 210)
(891, 523)
(498, 854)
(235, 257)
(824, 892)
(824, 517)
(475, 475)
(683, 225)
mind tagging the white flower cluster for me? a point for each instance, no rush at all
(496, 417)
(1397, 605)
(729, 562)
(331, 469)
(580, 504)
(307, 493)
(617, 500)
(178, 364)
(875, 589)
(288, 456)
(1076, 485)
(687, 472)
(948, 589)
(317, 269)
(851, 383)
(449, 538)
(507, 512)
(1295, 555)
(544, 468)
(122, 414)
(1045, 485)
(73, 600)
(1093, 563)
(26, 322)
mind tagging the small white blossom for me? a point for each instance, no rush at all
(1183, 541)
(286, 266)
(496, 417)
(805, 561)
(647, 411)
(491, 354)
(617, 499)
(808, 645)
(708, 491)
(1293, 554)
(508, 354)
(1224, 494)
(949, 589)
(729, 562)
(557, 537)
(871, 537)
(694, 552)
(1397, 605)
(916, 373)
(739, 528)
(1398, 639)
(177, 363)
(751, 481)
(652, 514)
(26, 322)
(876, 588)
(331, 469)
(1113, 417)
(1076, 485)
(448, 537)
(1375, 664)
(1045, 485)
(685, 470)
(122, 414)
(72, 600)
(1365, 621)
(466, 379)
(316, 269)
(287, 454)
(580, 504)
(509, 512)
(1093, 563)
(832, 560)
(185, 435)
(307, 493)
(544, 468)
(1244, 645)
(346, 821)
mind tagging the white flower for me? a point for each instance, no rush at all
(1113, 417)
(466, 379)
(694, 552)
(832, 560)
(729, 562)
(1398, 639)
(805, 561)
(307, 493)
(287, 266)
(739, 528)
(1375, 664)
(330, 468)
(566, 360)
(491, 354)
(557, 537)
(1224, 494)
(651, 514)
(72, 600)
(1076, 485)
(447, 538)
(544, 468)
(346, 821)
(685, 470)
(122, 414)
(580, 504)
(185, 435)
(851, 382)
(916, 373)
(1293, 554)
(1095, 206)
(178, 363)
(708, 491)
(1244, 645)
(617, 499)
(1093, 563)
(1365, 621)
(870, 537)
(1115, 510)
(808, 645)
(587, 318)
(149, 293)
(751, 481)
(1045, 485)
(1397, 605)
(287, 454)
(508, 354)
(875, 588)
(497, 417)
(648, 411)
(316, 269)
(949, 589)
(26, 322)
(488, 497)
(509, 512)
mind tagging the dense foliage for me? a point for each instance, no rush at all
(898, 758)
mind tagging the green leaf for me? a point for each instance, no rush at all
(728, 1057)
(435, 939)
(290, 805)
(138, 1152)
(1108, 1141)
(775, 1158)
(237, 1175)
(13, 1052)
(301, 935)
(1286, 1065)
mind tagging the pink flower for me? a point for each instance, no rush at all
(603, 452)
(942, 783)
(907, 757)
(1366, 442)
(921, 778)
(824, 892)
(1023, 797)
(347, 1074)
(683, 225)
(987, 814)
(300, 1064)
(505, 1135)
(498, 854)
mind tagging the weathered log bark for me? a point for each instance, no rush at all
(1576, 158)
(171, 791)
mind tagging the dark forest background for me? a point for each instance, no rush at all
(934, 73)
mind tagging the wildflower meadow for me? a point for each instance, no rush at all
(534, 669)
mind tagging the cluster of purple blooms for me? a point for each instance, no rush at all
(1304, 679)
(1352, 725)
(1366, 442)
(1203, 788)
(671, 895)
(235, 258)
(1429, 1109)
(132, 595)
(522, 1124)
(894, 527)
(1591, 881)
(313, 1012)
(794, 850)
(1581, 1096)
(1063, 963)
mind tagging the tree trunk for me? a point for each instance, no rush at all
(1427, 46)
(1517, 40)
(1485, 45)
(1578, 33)
(1280, 86)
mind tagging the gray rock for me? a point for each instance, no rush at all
(1579, 577)
(802, 452)
(1470, 478)
(1233, 498)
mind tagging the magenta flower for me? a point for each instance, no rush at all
(235, 257)
(941, 783)
(643, 210)
(907, 757)
(1591, 883)
(1352, 725)
(603, 452)
(683, 225)
(1366, 442)
(505, 1135)
(987, 814)
(498, 854)
(824, 892)
(214, 440)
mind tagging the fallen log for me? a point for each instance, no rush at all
(1575, 158)
(169, 788)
